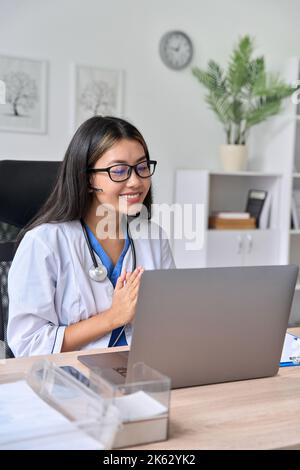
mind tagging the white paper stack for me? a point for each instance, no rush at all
(28, 423)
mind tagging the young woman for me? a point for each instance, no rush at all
(74, 280)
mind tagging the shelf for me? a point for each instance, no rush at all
(294, 232)
(297, 286)
(296, 175)
(246, 173)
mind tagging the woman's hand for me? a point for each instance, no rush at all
(125, 297)
(121, 312)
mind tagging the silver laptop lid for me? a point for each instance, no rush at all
(202, 326)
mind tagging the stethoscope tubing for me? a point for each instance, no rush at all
(89, 244)
(96, 265)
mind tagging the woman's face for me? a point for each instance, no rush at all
(125, 196)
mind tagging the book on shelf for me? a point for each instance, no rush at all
(220, 223)
(292, 227)
(232, 215)
(264, 219)
(294, 218)
(255, 203)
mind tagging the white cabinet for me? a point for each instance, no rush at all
(261, 248)
(242, 248)
(225, 248)
(219, 191)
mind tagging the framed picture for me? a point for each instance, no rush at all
(97, 91)
(24, 107)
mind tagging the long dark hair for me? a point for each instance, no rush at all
(71, 198)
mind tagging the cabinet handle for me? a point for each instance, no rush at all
(250, 243)
(240, 244)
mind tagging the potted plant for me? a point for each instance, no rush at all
(241, 97)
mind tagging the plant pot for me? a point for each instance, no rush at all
(233, 157)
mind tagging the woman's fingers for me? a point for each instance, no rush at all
(119, 283)
(133, 295)
(134, 288)
(134, 275)
(137, 280)
(120, 280)
(131, 282)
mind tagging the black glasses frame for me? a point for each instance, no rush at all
(130, 168)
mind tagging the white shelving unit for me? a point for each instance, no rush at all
(219, 191)
(277, 170)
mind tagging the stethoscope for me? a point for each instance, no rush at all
(98, 273)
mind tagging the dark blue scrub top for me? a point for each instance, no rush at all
(113, 272)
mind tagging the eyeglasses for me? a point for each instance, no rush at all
(119, 173)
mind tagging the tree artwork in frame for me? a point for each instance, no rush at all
(23, 106)
(98, 91)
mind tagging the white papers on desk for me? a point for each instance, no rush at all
(27, 422)
(291, 349)
(139, 405)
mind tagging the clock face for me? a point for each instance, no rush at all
(176, 50)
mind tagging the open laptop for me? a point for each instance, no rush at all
(203, 326)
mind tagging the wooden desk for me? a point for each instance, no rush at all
(250, 414)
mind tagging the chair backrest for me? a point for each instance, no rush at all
(6, 257)
(24, 187)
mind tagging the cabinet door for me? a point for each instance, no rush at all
(225, 248)
(261, 247)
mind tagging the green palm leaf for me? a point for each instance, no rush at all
(238, 70)
(246, 94)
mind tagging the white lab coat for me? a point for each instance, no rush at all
(49, 287)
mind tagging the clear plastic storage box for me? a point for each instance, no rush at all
(53, 410)
(143, 403)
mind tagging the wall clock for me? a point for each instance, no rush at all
(176, 49)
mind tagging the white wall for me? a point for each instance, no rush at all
(167, 106)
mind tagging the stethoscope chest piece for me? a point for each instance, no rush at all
(98, 274)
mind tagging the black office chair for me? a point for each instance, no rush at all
(24, 187)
